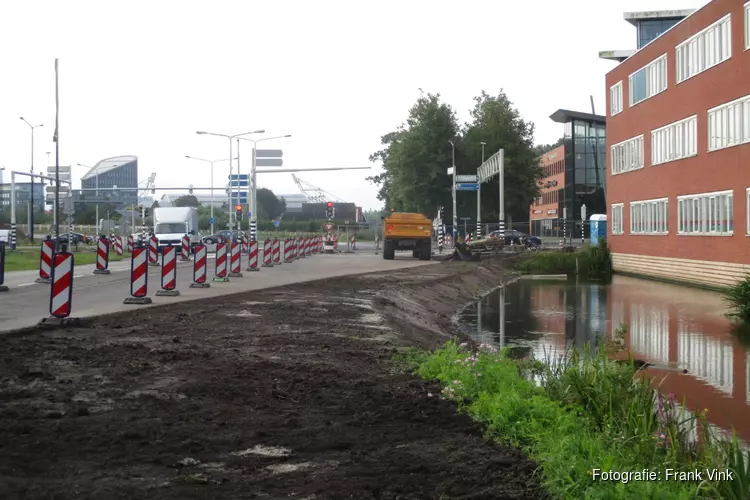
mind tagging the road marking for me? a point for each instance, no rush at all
(27, 284)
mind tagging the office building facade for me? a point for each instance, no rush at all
(678, 138)
(23, 195)
(118, 171)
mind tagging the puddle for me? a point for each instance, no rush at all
(242, 314)
(265, 451)
(253, 303)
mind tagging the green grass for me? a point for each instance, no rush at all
(587, 413)
(594, 262)
(21, 260)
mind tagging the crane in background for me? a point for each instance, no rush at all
(314, 194)
(146, 190)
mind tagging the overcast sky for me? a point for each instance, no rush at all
(141, 78)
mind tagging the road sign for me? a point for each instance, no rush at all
(583, 212)
(276, 223)
(212, 220)
(472, 186)
(269, 153)
(450, 171)
(466, 178)
(63, 189)
(68, 219)
(243, 183)
(329, 227)
(491, 166)
(269, 162)
(63, 170)
(237, 177)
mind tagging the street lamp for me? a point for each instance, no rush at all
(31, 208)
(455, 216)
(253, 189)
(230, 137)
(212, 184)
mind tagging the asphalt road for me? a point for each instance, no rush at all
(27, 302)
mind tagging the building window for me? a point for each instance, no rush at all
(675, 141)
(627, 156)
(705, 49)
(615, 99)
(617, 214)
(649, 80)
(729, 124)
(649, 217)
(709, 214)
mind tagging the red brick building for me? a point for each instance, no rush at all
(678, 150)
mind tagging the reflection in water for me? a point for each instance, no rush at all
(666, 324)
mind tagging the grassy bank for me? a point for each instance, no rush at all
(22, 260)
(589, 414)
(588, 261)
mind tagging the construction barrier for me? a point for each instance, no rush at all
(245, 244)
(276, 252)
(45, 261)
(3, 288)
(267, 253)
(288, 251)
(301, 248)
(117, 242)
(185, 248)
(102, 256)
(335, 242)
(61, 291)
(308, 247)
(131, 243)
(252, 256)
(168, 273)
(153, 251)
(235, 260)
(221, 262)
(200, 267)
(297, 243)
(320, 244)
(139, 276)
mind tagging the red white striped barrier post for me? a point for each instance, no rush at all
(138, 276)
(320, 244)
(235, 260)
(252, 256)
(335, 242)
(45, 262)
(153, 251)
(200, 267)
(117, 241)
(245, 244)
(221, 263)
(308, 247)
(276, 252)
(288, 258)
(168, 273)
(102, 256)
(185, 248)
(61, 291)
(3, 288)
(130, 243)
(301, 248)
(267, 254)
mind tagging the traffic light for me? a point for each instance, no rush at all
(330, 210)
(238, 211)
(440, 213)
(190, 189)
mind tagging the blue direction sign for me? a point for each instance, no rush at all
(212, 220)
(467, 186)
(244, 183)
(240, 196)
(236, 177)
(276, 223)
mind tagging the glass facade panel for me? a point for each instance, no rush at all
(649, 30)
(585, 163)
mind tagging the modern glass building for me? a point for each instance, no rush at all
(118, 171)
(23, 195)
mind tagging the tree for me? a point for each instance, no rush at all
(186, 200)
(415, 158)
(269, 205)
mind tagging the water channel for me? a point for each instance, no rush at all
(668, 324)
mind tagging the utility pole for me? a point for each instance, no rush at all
(32, 127)
(453, 171)
(479, 198)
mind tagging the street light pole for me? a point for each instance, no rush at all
(211, 162)
(253, 177)
(455, 215)
(31, 207)
(230, 137)
(479, 198)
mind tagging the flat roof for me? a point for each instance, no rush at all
(108, 164)
(634, 17)
(565, 115)
(616, 55)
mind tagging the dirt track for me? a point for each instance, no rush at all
(287, 393)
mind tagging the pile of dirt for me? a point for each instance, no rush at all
(281, 393)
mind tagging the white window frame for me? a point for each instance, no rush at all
(627, 156)
(709, 47)
(618, 217)
(615, 99)
(655, 84)
(702, 214)
(649, 217)
(729, 124)
(675, 141)
(747, 26)
(747, 217)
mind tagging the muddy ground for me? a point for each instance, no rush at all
(283, 393)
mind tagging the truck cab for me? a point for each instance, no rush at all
(171, 224)
(407, 231)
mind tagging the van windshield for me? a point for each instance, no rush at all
(170, 228)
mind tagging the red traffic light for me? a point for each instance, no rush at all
(329, 204)
(238, 208)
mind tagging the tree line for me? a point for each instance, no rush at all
(416, 156)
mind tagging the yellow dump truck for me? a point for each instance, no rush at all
(407, 231)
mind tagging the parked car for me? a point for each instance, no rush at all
(517, 238)
(224, 236)
(75, 238)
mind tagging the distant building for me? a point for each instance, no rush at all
(649, 26)
(294, 202)
(119, 171)
(574, 176)
(678, 143)
(23, 195)
(219, 199)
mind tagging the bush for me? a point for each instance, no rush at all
(592, 262)
(738, 298)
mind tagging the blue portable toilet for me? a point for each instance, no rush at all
(598, 228)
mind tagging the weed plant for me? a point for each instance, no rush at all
(738, 298)
(588, 412)
(593, 262)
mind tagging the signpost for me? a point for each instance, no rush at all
(467, 178)
(470, 186)
(495, 165)
(329, 227)
(261, 158)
